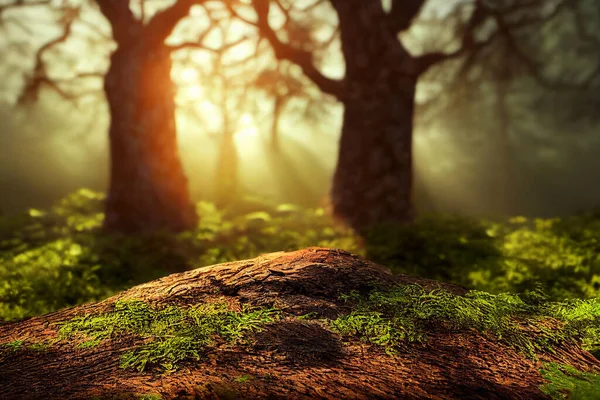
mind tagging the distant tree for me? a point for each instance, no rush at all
(148, 189)
(372, 183)
(520, 95)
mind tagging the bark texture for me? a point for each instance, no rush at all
(372, 183)
(290, 359)
(148, 189)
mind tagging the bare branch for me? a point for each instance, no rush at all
(403, 12)
(22, 3)
(468, 42)
(31, 88)
(163, 22)
(121, 19)
(198, 45)
(299, 57)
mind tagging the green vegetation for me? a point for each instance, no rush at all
(174, 334)
(149, 396)
(560, 255)
(58, 258)
(389, 318)
(18, 345)
(130, 396)
(12, 346)
(407, 313)
(243, 378)
(566, 382)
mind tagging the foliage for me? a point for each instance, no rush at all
(243, 378)
(407, 313)
(165, 337)
(59, 258)
(560, 255)
(565, 382)
(173, 334)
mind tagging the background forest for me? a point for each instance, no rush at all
(496, 102)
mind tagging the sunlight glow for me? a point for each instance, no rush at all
(247, 132)
(189, 74)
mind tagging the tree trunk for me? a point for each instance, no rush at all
(278, 105)
(289, 358)
(148, 189)
(372, 183)
(227, 170)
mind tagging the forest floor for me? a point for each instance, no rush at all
(311, 324)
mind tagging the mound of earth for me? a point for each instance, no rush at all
(294, 356)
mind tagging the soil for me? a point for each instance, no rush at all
(289, 359)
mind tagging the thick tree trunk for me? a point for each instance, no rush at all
(372, 183)
(290, 358)
(148, 189)
(373, 179)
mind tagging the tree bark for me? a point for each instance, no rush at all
(372, 183)
(289, 359)
(148, 188)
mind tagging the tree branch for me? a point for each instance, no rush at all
(22, 3)
(302, 58)
(403, 12)
(198, 45)
(31, 88)
(163, 22)
(121, 19)
(468, 42)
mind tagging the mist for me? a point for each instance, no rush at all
(539, 159)
(52, 148)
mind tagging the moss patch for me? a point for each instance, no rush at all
(406, 313)
(566, 382)
(175, 334)
(529, 323)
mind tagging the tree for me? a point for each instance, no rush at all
(372, 183)
(148, 188)
(516, 99)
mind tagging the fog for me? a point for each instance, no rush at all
(539, 158)
(51, 148)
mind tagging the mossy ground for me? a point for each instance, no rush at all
(566, 382)
(402, 315)
(174, 335)
(58, 258)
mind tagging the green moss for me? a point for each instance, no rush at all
(175, 334)
(407, 313)
(89, 344)
(243, 378)
(21, 345)
(38, 347)
(15, 345)
(129, 396)
(566, 382)
(149, 396)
